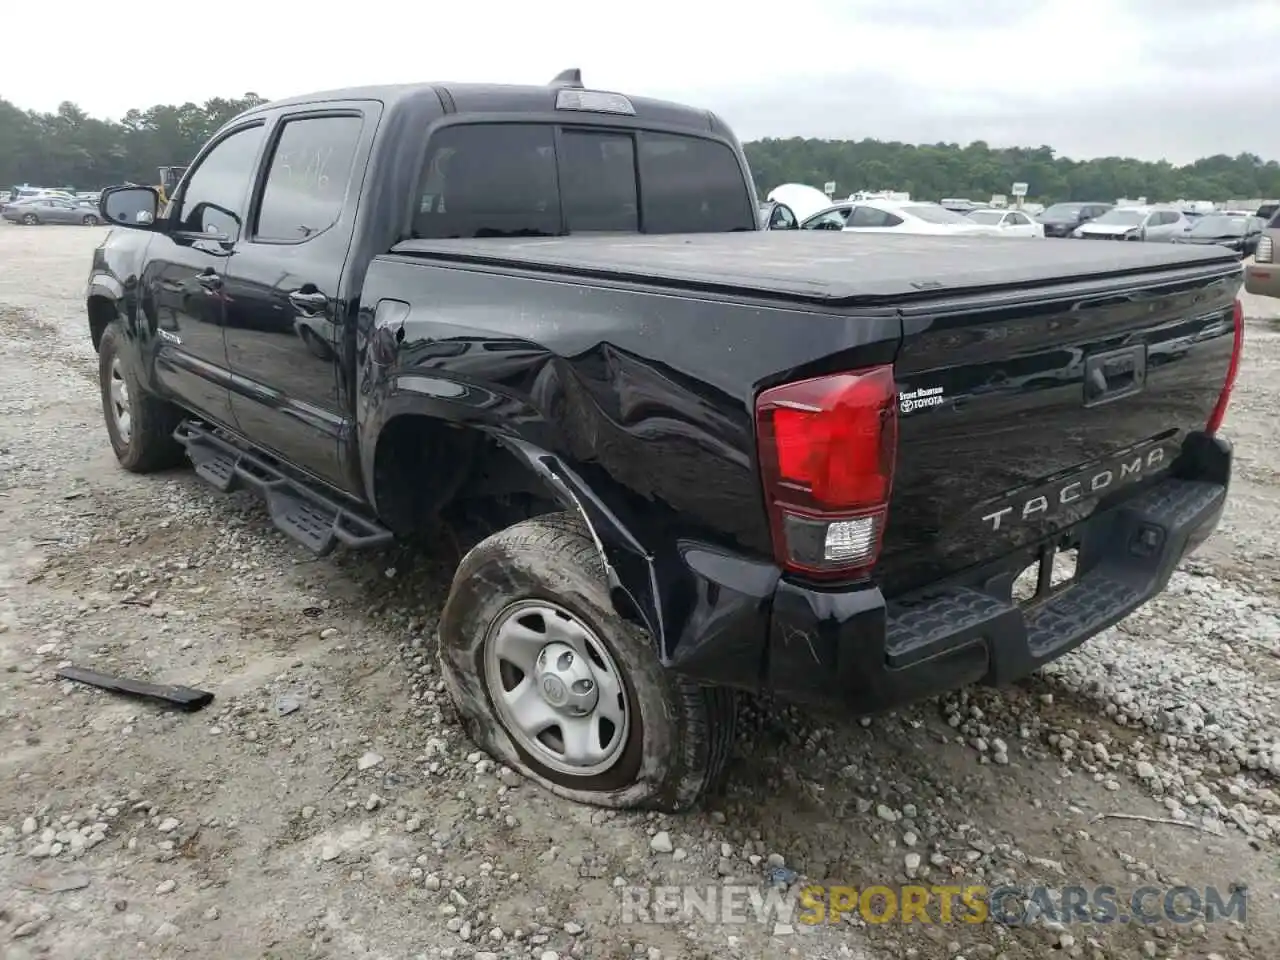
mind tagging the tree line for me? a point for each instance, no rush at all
(68, 148)
(976, 171)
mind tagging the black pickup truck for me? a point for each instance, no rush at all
(708, 457)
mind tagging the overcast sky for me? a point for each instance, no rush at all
(1177, 79)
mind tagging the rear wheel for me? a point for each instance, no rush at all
(140, 425)
(30, 219)
(549, 680)
(90, 220)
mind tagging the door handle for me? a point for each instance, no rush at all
(209, 279)
(309, 302)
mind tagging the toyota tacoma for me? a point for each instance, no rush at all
(705, 458)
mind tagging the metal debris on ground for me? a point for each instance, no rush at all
(184, 698)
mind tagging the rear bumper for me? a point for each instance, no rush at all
(851, 648)
(1262, 279)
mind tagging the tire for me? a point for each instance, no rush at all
(678, 734)
(30, 220)
(90, 220)
(143, 442)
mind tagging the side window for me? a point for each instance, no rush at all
(308, 177)
(690, 185)
(868, 217)
(489, 180)
(892, 221)
(214, 198)
(1018, 220)
(598, 182)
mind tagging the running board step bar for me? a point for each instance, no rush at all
(310, 518)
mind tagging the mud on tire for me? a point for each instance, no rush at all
(679, 733)
(143, 442)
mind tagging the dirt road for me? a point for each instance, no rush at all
(326, 805)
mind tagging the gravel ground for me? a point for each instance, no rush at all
(327, 805)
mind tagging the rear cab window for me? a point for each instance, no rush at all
(537, 179)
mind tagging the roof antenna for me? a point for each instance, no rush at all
(568, 78)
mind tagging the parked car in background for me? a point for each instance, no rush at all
(32, 193)
(1262, 276)
(1061, 219)
(40, 210)
(793, 203)
(1010, 223)
(1153, 224)
(1240, 234)
(891, 216)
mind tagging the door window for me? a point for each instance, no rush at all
(213, 201)
(308, 178)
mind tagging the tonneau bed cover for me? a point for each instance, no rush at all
(826, 267)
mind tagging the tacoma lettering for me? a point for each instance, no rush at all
(1097, 483)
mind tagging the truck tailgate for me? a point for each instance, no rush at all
(1021, 414)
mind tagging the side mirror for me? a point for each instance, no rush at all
(136, 207)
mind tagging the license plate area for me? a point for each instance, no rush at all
(1053, 572)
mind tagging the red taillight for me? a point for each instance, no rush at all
(827, 448)
(1233, 368)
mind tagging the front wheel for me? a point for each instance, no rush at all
(90, 220)
(30, 219)
(551, 681)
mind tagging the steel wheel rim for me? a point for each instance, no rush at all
(121, 412)
(538, 694)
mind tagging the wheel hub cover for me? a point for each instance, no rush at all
(565, 680)
(553, 690)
